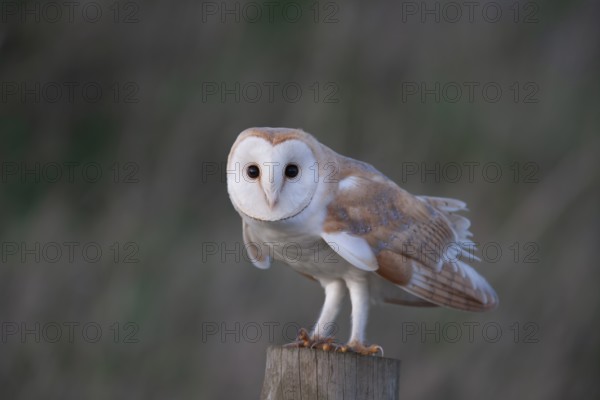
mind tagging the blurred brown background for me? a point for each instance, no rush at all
(119, 275)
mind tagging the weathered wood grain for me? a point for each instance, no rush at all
(307, 374)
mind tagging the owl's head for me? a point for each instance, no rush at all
(272, 172)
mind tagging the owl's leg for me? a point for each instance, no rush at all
(359, 297)
(334, 294)
(320, 336)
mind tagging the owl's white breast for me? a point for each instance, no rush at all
(297, 241)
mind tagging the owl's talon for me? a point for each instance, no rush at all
(302, 340)
(364, 350)
(376, 349)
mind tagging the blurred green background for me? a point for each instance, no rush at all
(152, 95)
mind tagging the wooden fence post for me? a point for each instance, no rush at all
(308, 374)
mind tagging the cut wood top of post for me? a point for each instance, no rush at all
(299, 374)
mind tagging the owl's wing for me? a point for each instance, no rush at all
(258, 253)
(416, 242)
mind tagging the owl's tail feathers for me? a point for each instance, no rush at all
(451, 282)
(460, 224)
(396, 294)
(456, 285)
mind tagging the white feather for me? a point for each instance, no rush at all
(350, 182)
(353, 249)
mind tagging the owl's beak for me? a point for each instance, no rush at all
(272, 187)
(271, 190)
(272, 196)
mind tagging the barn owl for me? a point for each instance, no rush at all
(350, 228)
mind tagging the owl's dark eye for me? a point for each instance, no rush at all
(291, 170)
(253, 171)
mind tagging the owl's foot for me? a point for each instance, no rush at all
(322, 343)
(363, 349)
(326, 344)
(302, 340)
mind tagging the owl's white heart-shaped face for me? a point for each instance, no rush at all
(271, 180)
